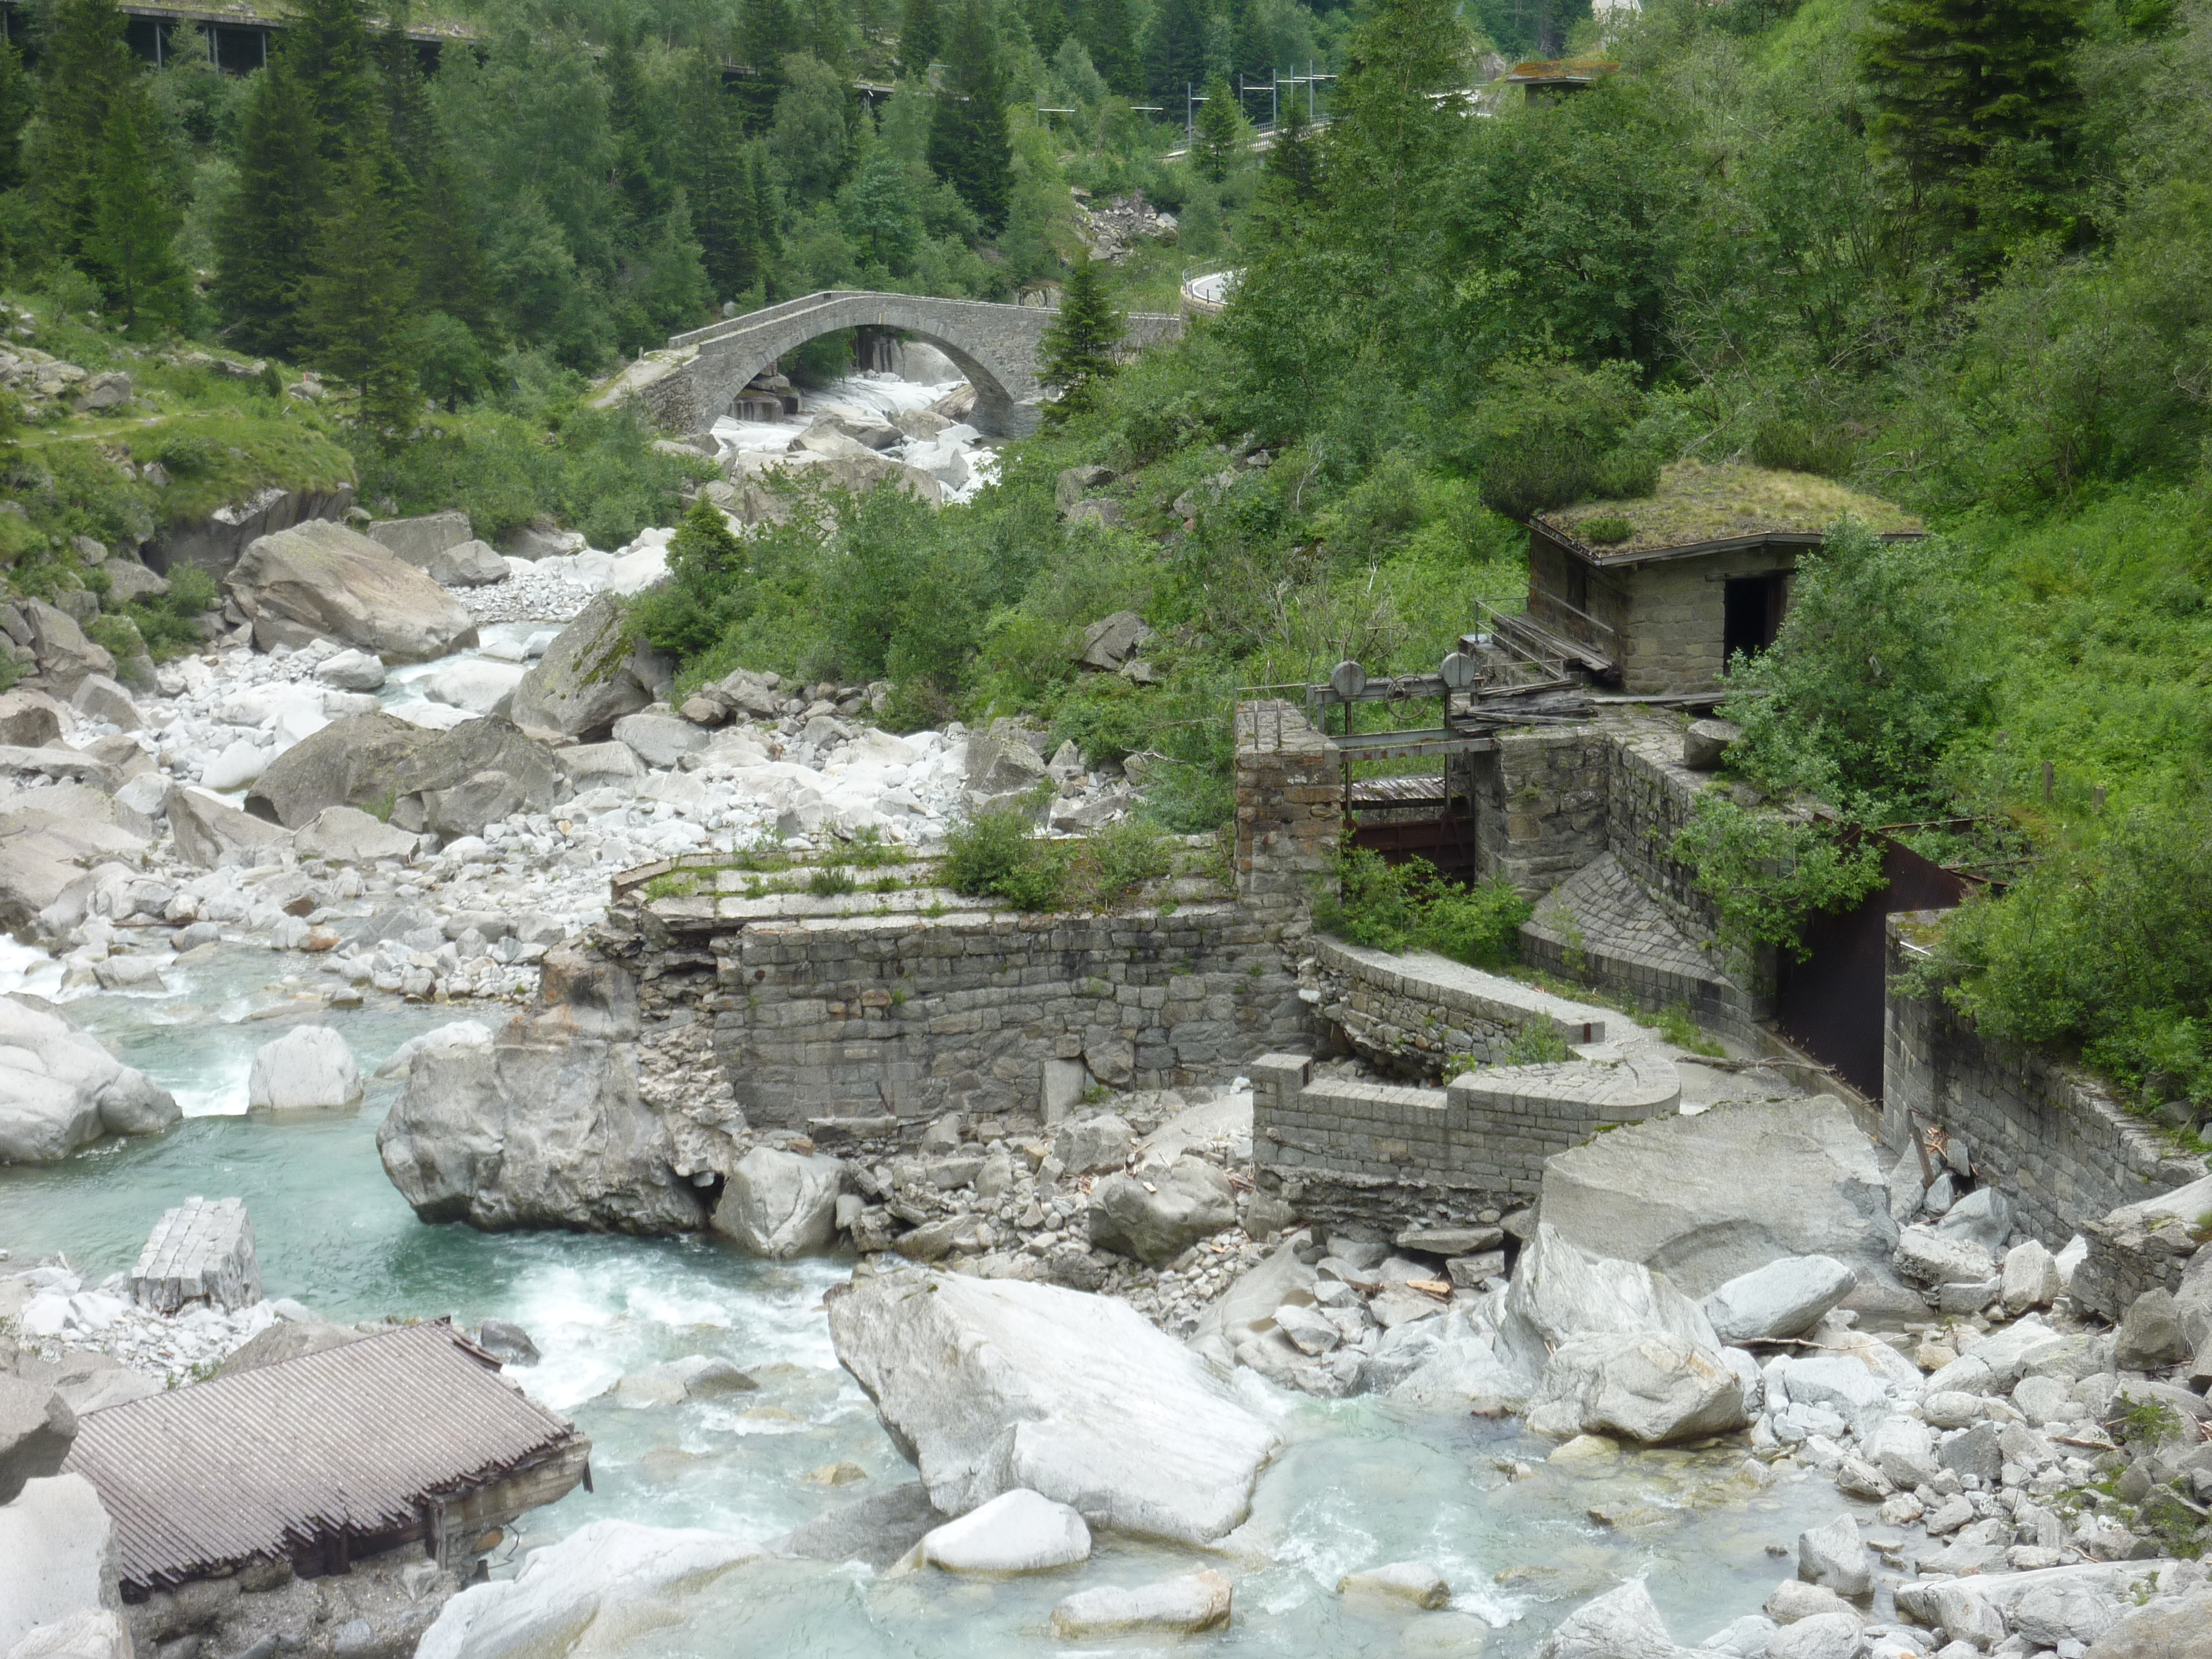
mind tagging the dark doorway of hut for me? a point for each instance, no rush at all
(1751, 614)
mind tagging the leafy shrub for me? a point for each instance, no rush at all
(1413, 906)
(994, 855)
(165, 621)
(1606, 531)
(829, 880)
(187, 455)
(1550, 435)
(1790, 446)
(1767, 875)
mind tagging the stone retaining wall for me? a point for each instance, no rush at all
(2053, 1140)
(1382, 1153)
(1423, 1014)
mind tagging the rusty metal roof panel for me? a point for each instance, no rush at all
(354, 1439)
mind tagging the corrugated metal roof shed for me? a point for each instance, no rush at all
(352, 1442)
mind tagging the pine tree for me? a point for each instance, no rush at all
(356, 305)
(132, 248)
(671, 282)
(637, 175)
(1975, 107)
(1219, 141)
(879, 211)
(1077, 353)
(265, 236)
(1390, 137)
(1251, 49)
(921, 35)
(1175, 51)
(1109, 33)
(17, 99)
(445, 250)
(86, 70)
(329, 42)
(969, 146)
(1291, 172)
(1048, 24)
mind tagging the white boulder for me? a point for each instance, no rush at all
(54, 1542)
(1000, 1383)
(1170, 1606)
(309, 1067)
(593, 1591)
(778, 1203)
(475, 683)
(1416, 1584)
(1835, 1557)
(1784, 1298)
(59, 1089)
(346, 835)
(1622, 1624)
(95, 1633)
(352, 671)
(1018, 1531)
(1653, 1387)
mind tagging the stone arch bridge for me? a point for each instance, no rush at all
(698, 378)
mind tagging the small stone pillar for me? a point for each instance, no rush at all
(199, 1252)
(1290, 810)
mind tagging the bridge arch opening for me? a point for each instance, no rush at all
(997, 412)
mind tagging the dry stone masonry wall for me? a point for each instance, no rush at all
(2056, 1142)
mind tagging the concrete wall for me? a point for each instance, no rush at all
(2057, 1143)
(1382, 1153)
(1422, 1015)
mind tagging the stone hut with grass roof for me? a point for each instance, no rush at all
(1656, 595)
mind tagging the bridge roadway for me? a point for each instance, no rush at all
(696, 379)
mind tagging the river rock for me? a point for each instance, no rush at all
(1622, 1624)
(507, 1343)
(2029, 1279)
(1823, 1636)
(469, 564)
(212, 833)
(1904, 1451)
(478, 684)
(1087, 1145)
(695, 1376)
(1983, 1215)
(354, 762)
(64, 655)
(1928, 1257)
(1018, 1531)
(2166, 1627)
(94, 1633)
(1416, 1584)
(37, 1429)
(1784, 1298)
(346, 835)
(659, 739)
(352, 671)
(1156, 1219)
(100, 698)
(999, 1384)
(321, 580)
(593, 766)
(1835, 1557)
(878, 1530)
(309, 1067)
(60, 1089)
(614, 1577)
(1707, 1199)
(1653, 1387)
(422, 537)
(474, 774)
(54, 1544)
(595, 672)
(2150, 1337)
(778, 1205)
(29, 719)
(541, 1127)
(1560, 1292)
(1168, 1606)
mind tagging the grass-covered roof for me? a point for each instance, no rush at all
(1696, 503)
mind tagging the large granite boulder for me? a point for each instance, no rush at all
(1560, 1292)
(994, 1384)
(1654, 1388)
(59, 1089)
(778, 1205)
(420, 539)
(321, 580)
(1622, 1624)
(54, 1544)
(46, 847)
(543, 1126)
(1707, 1199)
(603, 1582)
(597, 670)
(309, 1068)
(64, 656)
(1783, 1299)
(1157, 1218)
(213, 833)
(354, 762)
(37, 1429)
(476, 775)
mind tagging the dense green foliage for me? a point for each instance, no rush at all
(1410, 907)
(996, 855)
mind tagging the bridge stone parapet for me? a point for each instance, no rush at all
(696, 379)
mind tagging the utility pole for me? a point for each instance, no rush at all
(1190, 117)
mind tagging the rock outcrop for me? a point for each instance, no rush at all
(321, 580)
(778, 1205)
(59, 1089)
(996, 1384)
(54, 1543)
(543, 1126)
(1707, 1199)
(595, 672)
